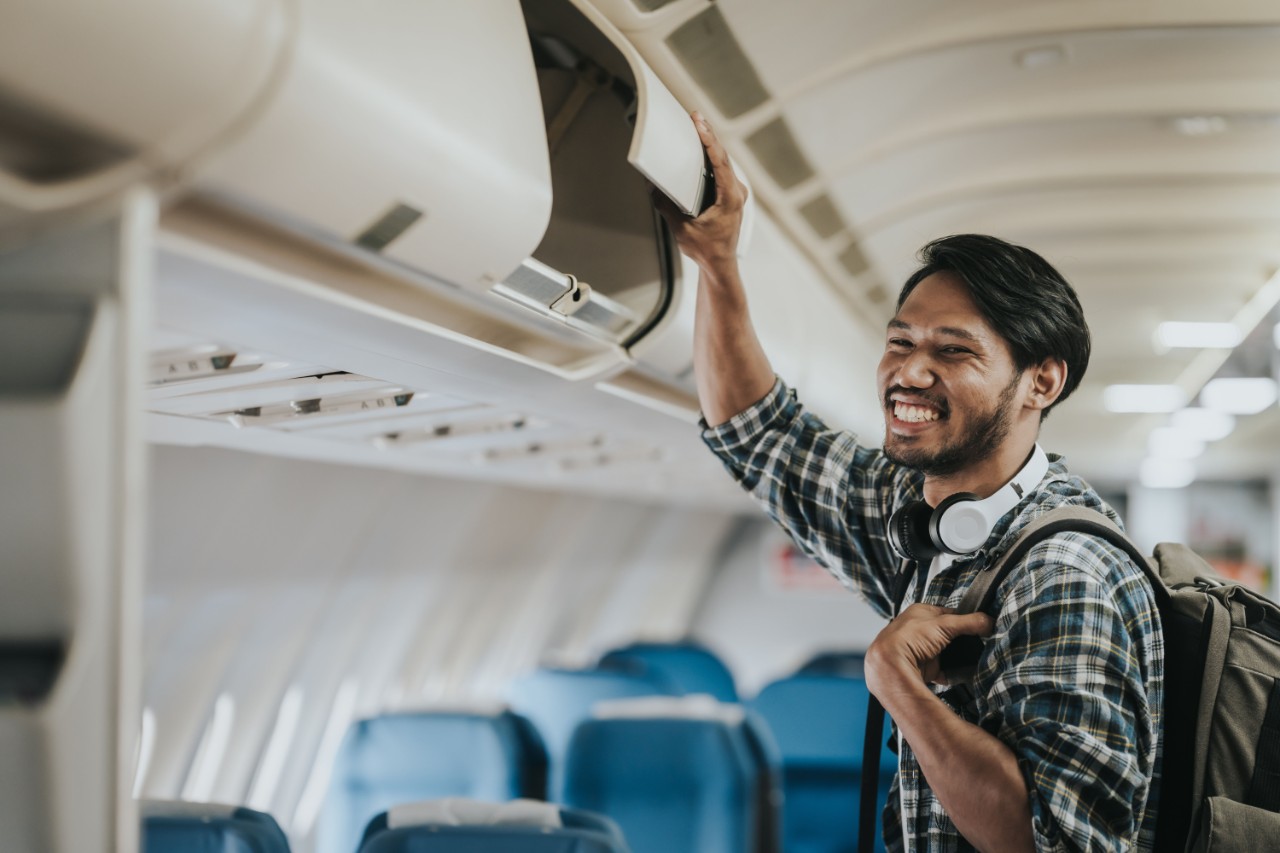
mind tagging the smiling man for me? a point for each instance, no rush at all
(1055, 746)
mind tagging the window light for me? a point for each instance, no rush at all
(1204, 424)
(262, 795)
(212, 749)
(1157, 473)
(1198, 335)
(1143, 398)
(146, 747)
(1239, 396)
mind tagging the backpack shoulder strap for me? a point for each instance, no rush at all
(1075, 519)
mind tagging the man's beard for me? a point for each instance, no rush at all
(979, 442)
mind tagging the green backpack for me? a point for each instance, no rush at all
(1220, 784)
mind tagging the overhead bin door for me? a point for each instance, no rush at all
(606, 262)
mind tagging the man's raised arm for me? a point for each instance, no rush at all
(730, 366)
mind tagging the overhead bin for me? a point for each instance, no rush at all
(96, 97)
(607, 260)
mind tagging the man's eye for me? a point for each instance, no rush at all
(899, 343)
(954, 351)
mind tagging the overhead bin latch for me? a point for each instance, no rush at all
(574, 299)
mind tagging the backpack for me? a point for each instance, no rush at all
(1220, 783)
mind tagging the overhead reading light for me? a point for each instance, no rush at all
(200, 363)
(457, 429)
(1239, 396)
(317, 406)
(1157, 473)
(1143, 398)
(1175, 335)
(539, 448)
(1204, 424)
(1200, 125)
(1173, 443)
(604, 460)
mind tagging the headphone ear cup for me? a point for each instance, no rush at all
(909, 532)
(958, 526)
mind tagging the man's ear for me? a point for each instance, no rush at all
(1048, 378)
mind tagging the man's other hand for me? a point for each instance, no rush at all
(905, 654)
(711, 239)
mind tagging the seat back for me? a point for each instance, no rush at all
(557, 700)
(677, 780)
(845, 663)
(178, 827)
(688, 666)
(404, 757)
(819, 724)
(469, 826)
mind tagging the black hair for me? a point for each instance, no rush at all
(1020, 294)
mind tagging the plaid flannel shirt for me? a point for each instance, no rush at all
(1072, 678)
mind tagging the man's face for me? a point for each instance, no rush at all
(947, 381)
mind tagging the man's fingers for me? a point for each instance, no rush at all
(719, 158)
(978, 624)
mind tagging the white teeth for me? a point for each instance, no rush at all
(913, 414)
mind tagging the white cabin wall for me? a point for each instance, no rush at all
(285, 598)
(765, 629)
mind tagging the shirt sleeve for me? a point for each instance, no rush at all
(830, 494)
(1070, 693)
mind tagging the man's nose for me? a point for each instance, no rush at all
(915, 371)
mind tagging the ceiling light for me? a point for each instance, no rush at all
(1200, 125)
(1166, 473)
(1204, 424)
(1275, 335)
(1143, 398)
(1173, 443)
(1198, 335)
(1242, 396)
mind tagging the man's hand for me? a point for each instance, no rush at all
(711, 239)
(905, 654)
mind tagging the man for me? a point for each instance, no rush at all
(1056, 746)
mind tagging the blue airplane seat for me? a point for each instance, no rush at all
(469, 826)
(492, 755)
(846, 663)
(557, 700)
(819, 723)
(678, 776)
(690, 667)
(179, 827)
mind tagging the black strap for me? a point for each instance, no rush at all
(869, 791)
(1264, 789)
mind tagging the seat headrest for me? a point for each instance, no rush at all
(456, 811)
(180, 808)
(696, 706)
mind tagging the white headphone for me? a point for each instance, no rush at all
(961, 523)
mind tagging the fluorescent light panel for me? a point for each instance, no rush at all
(1239, 396)
(1166, 473)
(1175, 335)
(1204, 424)
(1173, 443)
(1143, 398)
